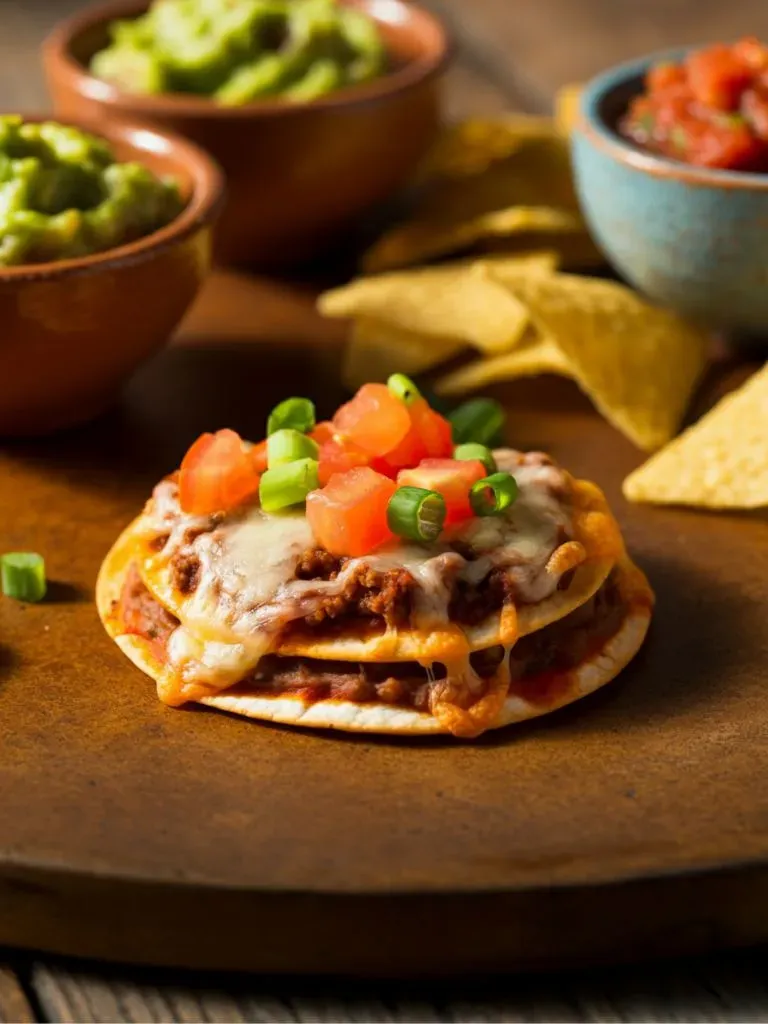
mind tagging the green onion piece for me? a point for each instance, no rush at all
(288, 445)
(23, 576)
(470, 452)
(479, 420)
(404, 388)
(296, 413)
(416, 513)
(494, 493)
(288, 484)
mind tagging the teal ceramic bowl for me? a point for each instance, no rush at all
(691, 238)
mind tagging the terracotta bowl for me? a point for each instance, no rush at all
(71, 332)
(298, 174)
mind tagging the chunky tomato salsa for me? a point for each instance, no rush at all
(711, 109)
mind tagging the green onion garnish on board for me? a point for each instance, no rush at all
(478, 421)
(23, 575)
(294, 413)
(288, 484)
(288, 445)
(404, 388)
(416, 513)
(471, 452)
(493, 494)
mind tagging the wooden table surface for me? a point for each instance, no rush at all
(512, 53)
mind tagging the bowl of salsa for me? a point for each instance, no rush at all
(670, 156)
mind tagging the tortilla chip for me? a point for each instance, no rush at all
(537, 175)
(422, 240)
(639, 364)
(535, 355)
(567, 108)
(470, 146)
(719, 462)
(377, 349)
(463, 302)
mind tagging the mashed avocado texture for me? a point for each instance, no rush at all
(237, 51)
(62, 194)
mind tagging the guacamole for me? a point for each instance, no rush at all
(236, 51)
(62, 194)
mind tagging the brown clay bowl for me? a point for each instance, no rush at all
(71, 332)
(297, 174)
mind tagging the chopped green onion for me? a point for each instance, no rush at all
(479, 420)
(470, 452)
(288, 445)
(23, 576)
(494, 493)
(416, 513)
(404, 388)
(288, 484)
(296, 413)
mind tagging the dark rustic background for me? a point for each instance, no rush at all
(512, 53)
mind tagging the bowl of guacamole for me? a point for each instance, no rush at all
(63, 194)
(105, 239)
(242, 51)
(317, 110)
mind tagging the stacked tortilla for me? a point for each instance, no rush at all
(503, 619)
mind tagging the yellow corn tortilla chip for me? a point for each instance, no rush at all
(536, 175)
(422, 240)
(470, 146)
(567, 108)
(376, 349)
(464, 302)
(535, 355)
(639, 364)
(719, 462)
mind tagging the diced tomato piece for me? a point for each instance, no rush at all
(430, 436)
(664, 76)
(323, 432)
(374, 419)
(337, 456)
(751, 53)
(258, 455)
(451, 478)
(717, 77)
(709, 144)
(754, 107)
(349, 515)
(216, 474)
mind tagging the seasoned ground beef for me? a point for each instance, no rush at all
(317, 564)
(185, 571)
(368, 594)
(471, 604)
(554, 650)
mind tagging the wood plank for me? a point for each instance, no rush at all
(534, 46)
(731, 987)
(14, 1005)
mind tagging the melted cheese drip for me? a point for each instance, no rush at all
(246, 591)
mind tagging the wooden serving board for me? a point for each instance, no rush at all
(633, 823)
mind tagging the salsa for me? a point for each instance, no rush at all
(237, 51)
(63, 195)
(711, 109)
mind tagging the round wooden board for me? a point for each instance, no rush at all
(633, 823)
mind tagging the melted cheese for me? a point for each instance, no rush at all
(247, 593)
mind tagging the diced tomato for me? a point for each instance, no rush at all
(258, 455)
(349, 515)
(751, 53)
(375, 419)
(717, 77)
(430, 436)
(754, 107)
(337, 456)
(451, 478)
(216, 474)
(709, 144)
(323, 432)
(664, 76)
